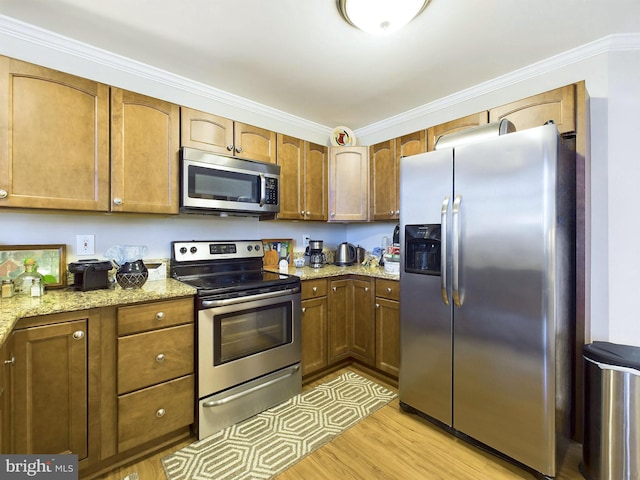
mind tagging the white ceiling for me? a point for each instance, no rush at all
(301, 57)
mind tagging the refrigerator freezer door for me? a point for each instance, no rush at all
(504, 343)
(425, 320)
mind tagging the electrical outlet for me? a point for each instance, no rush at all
(85, 244)
(305, 239)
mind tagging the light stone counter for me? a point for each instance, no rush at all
(308, 273)
(68, 300)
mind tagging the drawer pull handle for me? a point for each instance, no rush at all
(388, 289)
(11, 361)
(78, 335)
(160, 358)
(160, 413)
(315, 289)
(160, 316)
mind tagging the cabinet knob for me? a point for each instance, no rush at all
(230, 148)
(315, 289)
(160, 358)
(333, 214)
(377, 305)
(308, 213)
(11, 361)
(160, 316)
(366, 289)
(335, 289)
(304, 309)
(238, 149)
(302, 213)
(160, 413)
(391, 213)
(388, 289)
(78, 335)
(117, 201)
(3, 194)
(397, 212)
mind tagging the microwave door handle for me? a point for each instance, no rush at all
(444, 289)
(263, 189)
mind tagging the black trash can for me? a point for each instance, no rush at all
(611, 448)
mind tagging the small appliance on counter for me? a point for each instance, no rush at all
(91, 274)
(317, 259)
(346, 254)
(132, 272)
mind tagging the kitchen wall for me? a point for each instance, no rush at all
(610, 68)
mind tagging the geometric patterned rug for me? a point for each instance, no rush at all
(270, 442)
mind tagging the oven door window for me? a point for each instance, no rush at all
(243, 333)
(215, 184)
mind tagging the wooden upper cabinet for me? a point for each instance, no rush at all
(384, 181)
(54, 137)
(206, 131)
(315, 181)
(303, 179)
(220, 135)
(435, 132)
(411, 144)
(254, 143)
(145, 135)
(291, 161)
(557, 105)
(348, 184)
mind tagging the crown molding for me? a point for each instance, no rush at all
(39, 37)
(611, 43)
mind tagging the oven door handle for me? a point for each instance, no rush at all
(216, 403)
(248, 298)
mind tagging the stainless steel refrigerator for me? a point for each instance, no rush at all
(487, 291)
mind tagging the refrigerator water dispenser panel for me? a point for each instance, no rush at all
(422, 249)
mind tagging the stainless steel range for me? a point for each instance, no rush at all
(248, 326)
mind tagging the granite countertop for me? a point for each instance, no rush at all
(69, 300)
(308, 273)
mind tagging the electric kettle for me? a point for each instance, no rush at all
(345, 254)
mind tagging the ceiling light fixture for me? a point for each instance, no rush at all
(380, 16)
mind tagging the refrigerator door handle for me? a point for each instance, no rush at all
(443, 251)
(455, 252)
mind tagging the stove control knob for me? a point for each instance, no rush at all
(183, 250)
(193, 249)
(249, 248)
(257, 247)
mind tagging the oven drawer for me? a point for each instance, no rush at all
(140, 318)
(152, 357)
(314, 288)
(388, 289)
(156, 411)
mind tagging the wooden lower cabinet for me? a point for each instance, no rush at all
(51, 397)
(363, 330)
(339, 320)
(388, 326)
(7, 360)
(314, 335)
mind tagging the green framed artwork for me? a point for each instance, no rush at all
(50, 259)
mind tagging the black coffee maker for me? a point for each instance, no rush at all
(317, 259)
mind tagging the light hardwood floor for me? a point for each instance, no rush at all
(389, 444)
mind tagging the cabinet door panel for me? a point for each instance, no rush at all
(50, 389)
(291, 160)
(206, 131)
(315, 182)
(474, 120)
(384, 183)
(348, 184)
(54, 132)
(363, 330)
(254, 143)
(340, 309)
(145, 135)
(557, 105)
(388, 336)
(314, 335)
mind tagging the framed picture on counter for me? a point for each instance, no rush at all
(51, 262)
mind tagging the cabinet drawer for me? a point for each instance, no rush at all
(152, 357)
(140, 318)
(314, 288)
(388, 289)
(155, 411)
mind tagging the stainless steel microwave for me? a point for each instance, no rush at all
(222, 185)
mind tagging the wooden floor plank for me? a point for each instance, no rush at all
(388, 445)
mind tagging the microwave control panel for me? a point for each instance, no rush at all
(271, 191)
